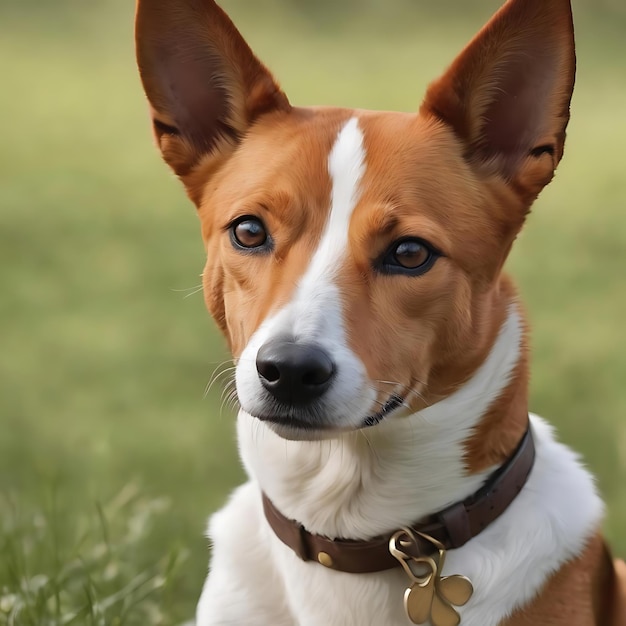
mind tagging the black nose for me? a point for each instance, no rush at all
(294, 373)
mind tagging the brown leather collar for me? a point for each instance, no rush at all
(452, 527)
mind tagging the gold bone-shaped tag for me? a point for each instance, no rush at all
(430, 596)
(418, 600)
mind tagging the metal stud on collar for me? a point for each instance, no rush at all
(430, 596)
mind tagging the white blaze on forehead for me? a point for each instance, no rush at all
(315, 312)
(346, 166)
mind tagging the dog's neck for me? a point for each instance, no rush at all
(362, 484)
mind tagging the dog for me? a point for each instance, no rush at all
(355, 267)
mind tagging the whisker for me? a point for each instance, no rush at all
(189, 291)
(219, 372)
(186, 289)
(229, 402)
(372, 450)
(215, 379)
(378, 402)
(227, 391)
(399, 384)
(418, 395)
(193, 293)
(404, 390)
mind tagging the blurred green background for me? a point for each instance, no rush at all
(106, 349)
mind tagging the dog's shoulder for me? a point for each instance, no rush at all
(236, 526)
(590, 589)
(243, 581)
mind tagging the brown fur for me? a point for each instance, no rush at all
(584, 591)
(462, 175)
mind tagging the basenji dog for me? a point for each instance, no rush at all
(355, 266)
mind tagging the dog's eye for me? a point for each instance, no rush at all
(411, 254)
(249, 233)
(408, 256)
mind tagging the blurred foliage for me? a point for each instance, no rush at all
(88, 569)
(328, 13)
(104, 359)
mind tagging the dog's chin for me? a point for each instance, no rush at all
(299, 425)
(298, 433)
(299, 429)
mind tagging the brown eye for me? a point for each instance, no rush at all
(409, 256)
(249, 233)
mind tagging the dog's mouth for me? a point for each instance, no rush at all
(394, 402)
(293, 422)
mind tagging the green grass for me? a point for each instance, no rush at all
(85, 570)
(104, 360)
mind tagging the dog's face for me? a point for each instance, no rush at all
(354, 258)
(353, 261)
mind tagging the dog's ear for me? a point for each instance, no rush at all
(507, 95)
(204, 85)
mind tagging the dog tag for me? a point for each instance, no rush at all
(418, 601)
(442, 613)
(456, 589)
(431, 596)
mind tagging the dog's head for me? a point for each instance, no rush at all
(354, 258)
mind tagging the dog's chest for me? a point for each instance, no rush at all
(259, 581)
(300, 594)
(319, 596)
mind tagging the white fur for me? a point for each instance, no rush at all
(545, 526)
(384, 475)
(368, 482)
(315, 311)
(410, 467)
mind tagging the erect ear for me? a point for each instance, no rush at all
(507, 95)
(204, 85)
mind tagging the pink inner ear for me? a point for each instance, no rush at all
(507, 94)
